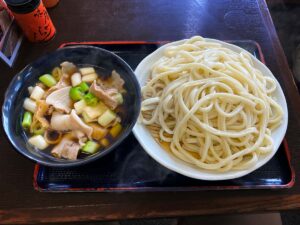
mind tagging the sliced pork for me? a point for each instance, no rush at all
(67, 148)
(68, 68)
(104, 95)
(117, 81)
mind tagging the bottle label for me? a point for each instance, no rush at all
(36, 25)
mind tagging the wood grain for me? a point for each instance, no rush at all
(151, 209)
(151, 20)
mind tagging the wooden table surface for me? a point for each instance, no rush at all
(153, 20)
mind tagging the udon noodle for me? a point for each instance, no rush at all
(211, 106)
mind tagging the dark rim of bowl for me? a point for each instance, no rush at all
(79, 162)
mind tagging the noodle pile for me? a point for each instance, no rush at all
(211, 106)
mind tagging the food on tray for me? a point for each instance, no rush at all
(73, 112)
(210, 106)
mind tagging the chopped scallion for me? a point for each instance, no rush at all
(90, 147)
(27, 120)
(48, 80)
(76, 94)
(84, 87)
(90, 99)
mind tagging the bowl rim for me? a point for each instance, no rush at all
(201, 173)
(79, 162)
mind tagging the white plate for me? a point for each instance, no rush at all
(171, 162)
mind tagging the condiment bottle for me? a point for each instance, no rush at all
(33, 18)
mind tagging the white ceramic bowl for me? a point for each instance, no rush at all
(171, 162)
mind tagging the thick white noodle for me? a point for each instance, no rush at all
(212, 106)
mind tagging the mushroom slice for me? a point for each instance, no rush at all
(60, 99)
(52, 136)
(67, 122)
(80, 125)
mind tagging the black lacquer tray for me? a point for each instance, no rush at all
(129, 168)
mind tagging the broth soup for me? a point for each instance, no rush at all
(72, 112)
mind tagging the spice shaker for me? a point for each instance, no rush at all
(33, 18)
